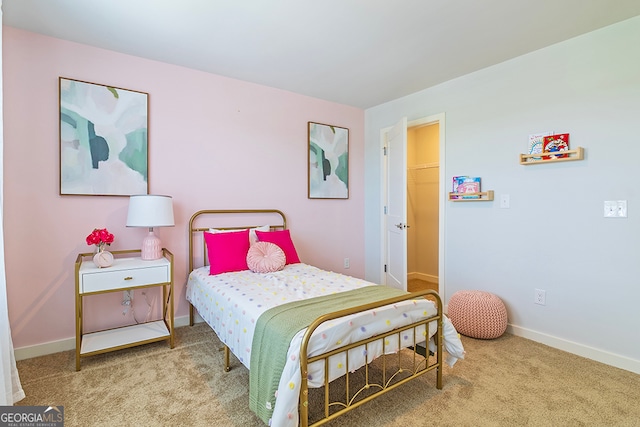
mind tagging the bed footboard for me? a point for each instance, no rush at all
(392, 374)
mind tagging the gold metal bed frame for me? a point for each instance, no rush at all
(393, 373)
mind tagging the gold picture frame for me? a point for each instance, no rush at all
(103, 140)
(328, 164)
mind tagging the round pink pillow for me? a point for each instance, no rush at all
(265, 257)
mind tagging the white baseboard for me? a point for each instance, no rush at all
(66, 344)
(598, 355)
(43, 349)
(422, 276)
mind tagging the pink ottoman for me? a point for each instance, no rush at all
(478, 314)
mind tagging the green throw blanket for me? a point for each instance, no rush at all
(276, 328)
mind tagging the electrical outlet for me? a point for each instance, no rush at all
(346, 263)
(127, 298)
(127, 301)
(540, 297)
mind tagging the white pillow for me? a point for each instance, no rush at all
(252, 232)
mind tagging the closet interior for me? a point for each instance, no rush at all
(423, 173)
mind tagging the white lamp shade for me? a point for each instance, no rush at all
(150, 210)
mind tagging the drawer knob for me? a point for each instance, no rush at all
(128, 278)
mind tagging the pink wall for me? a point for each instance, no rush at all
(214, 143)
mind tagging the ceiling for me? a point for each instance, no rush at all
(355, 52)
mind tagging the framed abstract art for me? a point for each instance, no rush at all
(103, 140)
(328, 161)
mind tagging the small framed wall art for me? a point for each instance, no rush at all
(103, 140)
(328, 162)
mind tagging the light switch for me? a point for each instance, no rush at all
(610, 209)
(622, 208)
(615, 209)
(504, 201)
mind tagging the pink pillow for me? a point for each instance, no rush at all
(265, 257)
(227, 251)
(281, 238)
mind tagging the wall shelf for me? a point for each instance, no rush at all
(484, 196)
(536, 159)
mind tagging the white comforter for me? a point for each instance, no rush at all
(232, 302)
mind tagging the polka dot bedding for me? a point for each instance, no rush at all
(231, 303)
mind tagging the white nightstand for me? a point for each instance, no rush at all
(128, 271)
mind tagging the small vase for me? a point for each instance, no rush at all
(102, 258)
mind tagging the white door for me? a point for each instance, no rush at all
(395, 214)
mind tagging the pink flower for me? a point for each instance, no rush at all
(100, 237)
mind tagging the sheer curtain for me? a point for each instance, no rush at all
(11, 389)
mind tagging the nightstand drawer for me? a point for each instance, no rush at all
(119, 279)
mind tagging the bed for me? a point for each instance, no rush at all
(331, 328)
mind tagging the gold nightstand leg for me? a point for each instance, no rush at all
(78, 314)
(168, 299)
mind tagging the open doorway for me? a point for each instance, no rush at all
(423, 186)
(424, 170)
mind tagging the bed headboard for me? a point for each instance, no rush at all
(203, 220)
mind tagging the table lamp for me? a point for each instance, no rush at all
(150, 211)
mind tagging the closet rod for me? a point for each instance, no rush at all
(425, 166)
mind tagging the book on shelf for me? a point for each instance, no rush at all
(555, 144)
(465, 186)
(535, 145)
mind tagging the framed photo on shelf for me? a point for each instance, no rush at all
(328, 167)
(103, 140)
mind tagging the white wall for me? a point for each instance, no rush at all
(554, 236)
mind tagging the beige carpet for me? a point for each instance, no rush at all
(509, 381)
